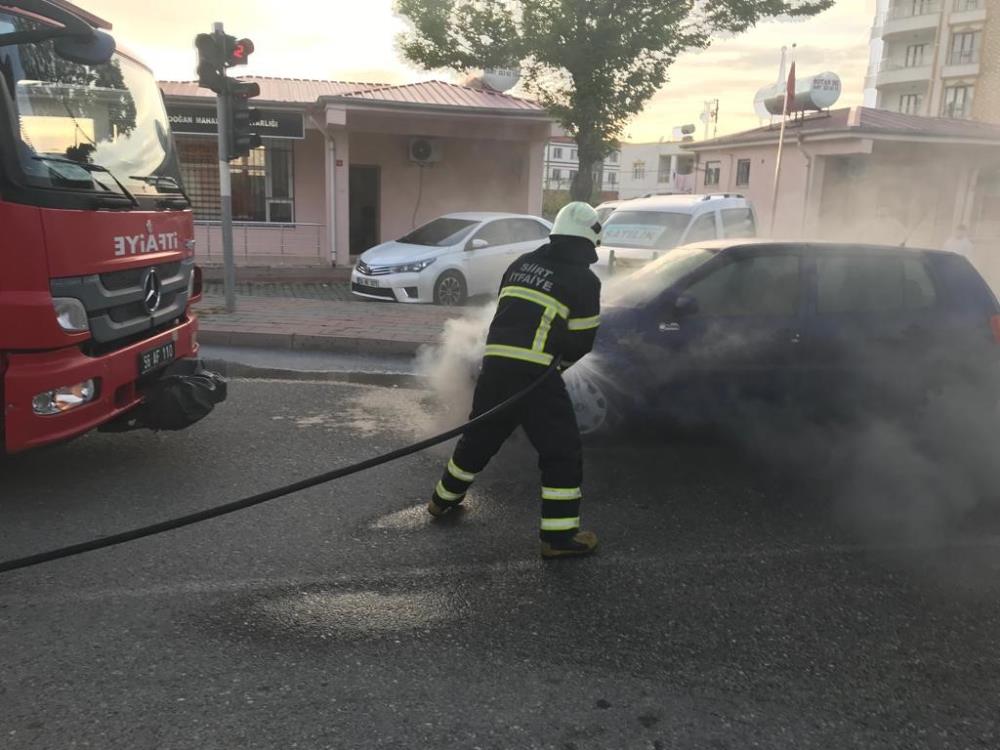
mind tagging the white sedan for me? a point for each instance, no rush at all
(448, 260)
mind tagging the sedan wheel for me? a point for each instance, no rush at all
(449, 290)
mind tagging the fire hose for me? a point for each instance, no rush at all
(263, 497)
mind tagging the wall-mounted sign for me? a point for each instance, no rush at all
(267, 123)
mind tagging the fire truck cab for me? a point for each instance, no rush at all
(97, 269)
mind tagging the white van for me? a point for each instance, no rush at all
(643, 229)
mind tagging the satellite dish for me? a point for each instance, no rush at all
(501, 79)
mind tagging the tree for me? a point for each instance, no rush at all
(592, 63)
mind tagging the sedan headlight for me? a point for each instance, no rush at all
(71, 314)
(416, 267)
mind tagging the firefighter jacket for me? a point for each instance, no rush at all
(549, 304)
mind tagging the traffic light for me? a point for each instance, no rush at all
(238, 51)
(211, 65)
(240, 140)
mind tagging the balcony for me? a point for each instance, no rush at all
(892, 73)
(967, 11)
(910, 16)
(961, 64)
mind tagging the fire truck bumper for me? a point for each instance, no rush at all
(82, 392)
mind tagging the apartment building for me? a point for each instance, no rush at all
(661, 167)
(562, 163)
(938, 58)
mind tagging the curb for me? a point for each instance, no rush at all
(252, 372)
(308, 342)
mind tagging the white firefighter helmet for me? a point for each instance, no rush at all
(578, 219)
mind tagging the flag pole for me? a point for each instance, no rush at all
(789, 95)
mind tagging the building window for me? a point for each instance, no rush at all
(911, 104)
(612, 178)
(713, 170)
(957, 101)
(263, 182)
(915, 55)
(743, 172)
(961, 5)
(639, 170)
(557, 175)
(572, 175)
(557, 152)
(614, 157)
(572, 154)
(964, 48)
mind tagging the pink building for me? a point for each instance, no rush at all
(345, 166)
(863, 174)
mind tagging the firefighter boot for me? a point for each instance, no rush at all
(440, 508)
(579, 544)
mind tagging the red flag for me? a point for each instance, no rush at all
(790, 91)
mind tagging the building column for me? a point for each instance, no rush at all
(672, 181)
(341, 198)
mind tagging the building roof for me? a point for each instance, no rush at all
(425, 94)
(862, 122)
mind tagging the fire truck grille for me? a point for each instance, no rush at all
(116, 302)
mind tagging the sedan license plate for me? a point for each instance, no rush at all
(362, 281)
(156, 358)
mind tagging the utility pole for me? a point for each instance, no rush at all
(217, 52)
(225, 185)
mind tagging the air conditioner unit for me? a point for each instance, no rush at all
(425, 150)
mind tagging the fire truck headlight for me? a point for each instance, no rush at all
(71, 314)
(63, 399)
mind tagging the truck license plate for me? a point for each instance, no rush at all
(368, 282)
(155, 358)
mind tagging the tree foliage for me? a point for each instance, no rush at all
(593, 63)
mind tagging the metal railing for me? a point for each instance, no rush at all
(965, 5)
(267, 243)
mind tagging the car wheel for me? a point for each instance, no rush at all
(450, 289)
(595, 413)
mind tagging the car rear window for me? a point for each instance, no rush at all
(440, 233)
(644, 230)
(873, 284)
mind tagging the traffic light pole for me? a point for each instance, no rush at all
(226, 195)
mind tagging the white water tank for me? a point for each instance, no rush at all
(812, 93)
(501, 79)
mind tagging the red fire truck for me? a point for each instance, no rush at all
(97, 270)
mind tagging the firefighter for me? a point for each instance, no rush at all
(549, 306)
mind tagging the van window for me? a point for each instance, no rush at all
(703, 229)
(738, 222)
(879, 283)
(762, 285)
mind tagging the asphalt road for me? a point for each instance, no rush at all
(733, 604)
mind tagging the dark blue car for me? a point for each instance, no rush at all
(715, 332)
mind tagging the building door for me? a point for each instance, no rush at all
(364, 202)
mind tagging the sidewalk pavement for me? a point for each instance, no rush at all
(357, 327)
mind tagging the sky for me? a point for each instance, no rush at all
(354, 40)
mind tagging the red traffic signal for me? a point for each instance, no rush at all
(239, 52)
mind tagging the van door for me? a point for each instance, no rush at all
(702, 229)
(738, 223)
(730, 340)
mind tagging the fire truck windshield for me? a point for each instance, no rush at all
(81, 127)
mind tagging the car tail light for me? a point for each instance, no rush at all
(995, 327)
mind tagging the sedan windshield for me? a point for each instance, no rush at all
(652, 279)
(83, 127)
(440, 233)
(644, 230)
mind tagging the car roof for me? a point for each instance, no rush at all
(488, 215)
(687, 203)
(812, 246)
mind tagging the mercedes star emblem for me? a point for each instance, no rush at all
(152, 291)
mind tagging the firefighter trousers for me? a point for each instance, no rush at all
(547, 417)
